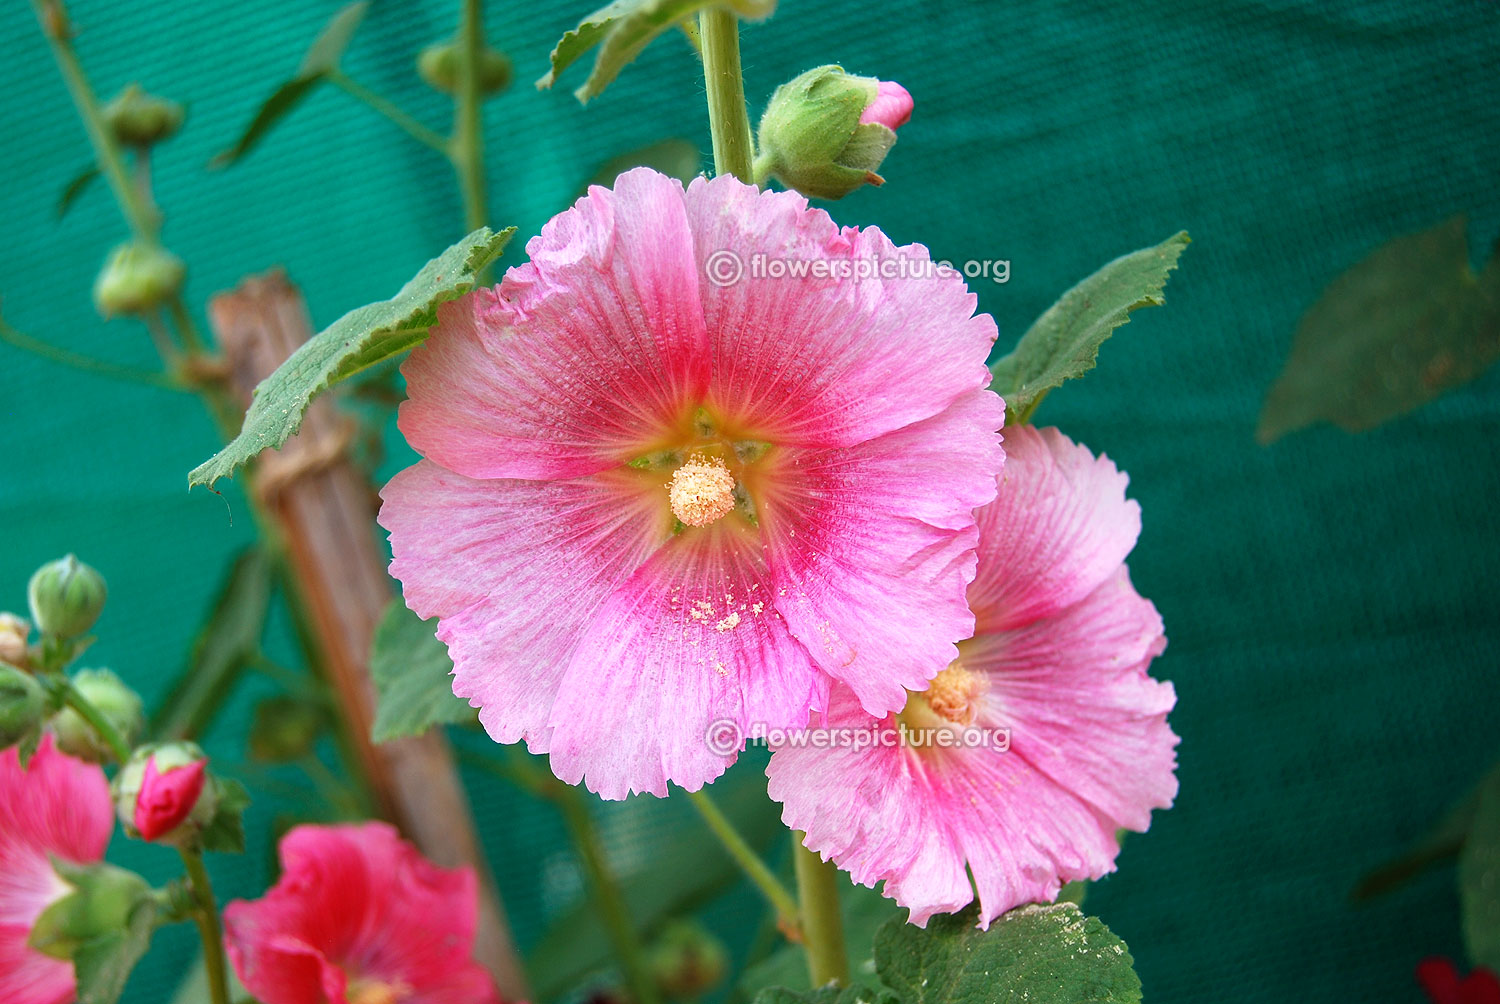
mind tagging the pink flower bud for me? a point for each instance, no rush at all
(891, 108)
(166, 798)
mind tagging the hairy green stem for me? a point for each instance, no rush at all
(728, 121)
(207, 918)
(822, 923)
(750, 863)
(466, 149)
(416, 130)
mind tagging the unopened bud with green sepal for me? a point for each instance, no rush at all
(437, 65)
(687, 961)
(140, 119)
(113, 699)
(23, 706)
(98, 903)
(825, 133)
(66, 597)
(164, 794)
(137, 278)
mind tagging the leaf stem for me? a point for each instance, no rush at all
(822, 924)
(784, 903)
(207, 919)
(728, 121)
(88, 364)
(406, 123)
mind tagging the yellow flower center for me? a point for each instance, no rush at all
(702, 491)
(375, 992)
(953, 694)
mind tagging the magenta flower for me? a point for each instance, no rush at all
(700, 456)
(891, 108)
(56, 806)
(167, 797)
(1070, 734)
(358, 917)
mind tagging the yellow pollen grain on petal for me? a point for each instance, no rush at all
(953, 693)
(702, 491)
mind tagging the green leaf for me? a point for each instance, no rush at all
(1064, 342)
(227, 641)
(103, 965)
(623, 29)
(361, 338)
(225, 832)
(854, 994)
(1398, 329)
(676, 158)
(1479, 878)
(1441, 843)
(75, 188)
(322, 58)
(412, 674)
(1039, 954)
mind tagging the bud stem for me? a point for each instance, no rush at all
(97, 720)
(750, 863)
(207, 919)
(399, 118)
(467, 148)
(728, 121)
(822, 923)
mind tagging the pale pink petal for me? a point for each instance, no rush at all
(1060, 526)
(515, 571)
(871, 547)
(581, 358)
(26, 975)
(691, 639)
(892, 106)
(826, 361)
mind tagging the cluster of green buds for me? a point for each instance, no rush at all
(437, 65)
(825, 133)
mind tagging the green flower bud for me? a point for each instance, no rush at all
(120, 705)
(137, 278)
(687, 961)
(66, 597)
(14, 634)
(99, 901)
(284, 729)
(825, 133)
(164, 794)
(140, 119)
(23, 705)
(438, 66)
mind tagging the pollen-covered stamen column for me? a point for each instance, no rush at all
(729, 123)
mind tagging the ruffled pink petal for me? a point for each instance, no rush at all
(892, 106)
(516, 571)
(581, 357)
(689, 640)
(1060, 526)
(871, 547)
(826, 362)
(29, 977)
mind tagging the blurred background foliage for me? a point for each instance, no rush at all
(1330, 600)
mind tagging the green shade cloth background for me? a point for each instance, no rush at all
(1331, 601)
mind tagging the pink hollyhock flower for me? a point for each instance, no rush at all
(669, 486)
(1440, 980)
(358, 917)
(1070, 734)
(55, 805)
(891, 108)
(167, 798)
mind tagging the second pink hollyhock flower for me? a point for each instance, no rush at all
(1054, 678)
(699, 457)
(359, 917)
(54, 806)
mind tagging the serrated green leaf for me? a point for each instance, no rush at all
(1398, 329)
(321, 59)
(361, 338)
(226, 642)
(103, 965)
(1479, 878)
(1064, 342)
(412, 674)
(1038, 954)
(854, 994)
(676, 158)
(225, 832)
(623, 29)
(75, 188)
